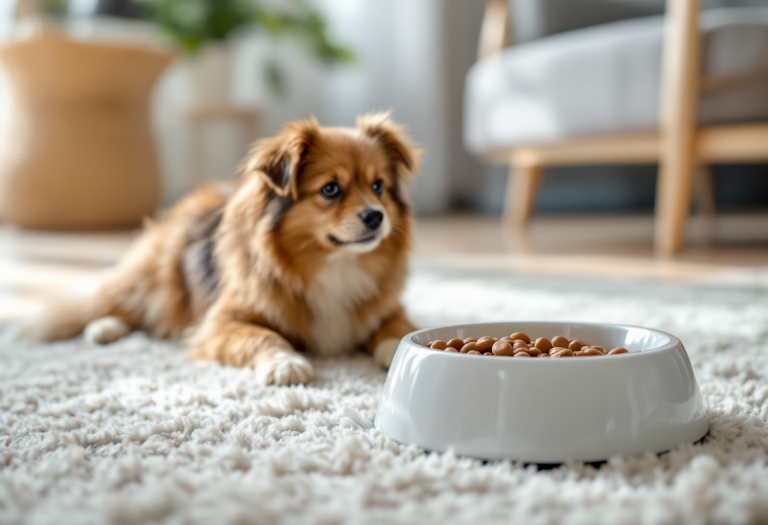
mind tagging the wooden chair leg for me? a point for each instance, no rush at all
(679, 106)
(522, 185)
(673, 203)
(704, 198)
(704, 192)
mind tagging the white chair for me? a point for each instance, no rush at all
(683, 89)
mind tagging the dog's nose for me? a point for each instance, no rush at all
(372, 218)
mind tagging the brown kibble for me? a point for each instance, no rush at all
(485, 343)
(520, 345)
(522, 336)
(469, 347)
(502, 348)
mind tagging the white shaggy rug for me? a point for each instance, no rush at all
(133, 433)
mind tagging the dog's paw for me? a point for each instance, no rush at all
(284, 367)
(385, 351)
(106, 330)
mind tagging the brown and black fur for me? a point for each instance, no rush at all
(254, 274)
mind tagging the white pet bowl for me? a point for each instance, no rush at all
(543, 410)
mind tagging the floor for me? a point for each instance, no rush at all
(733, 249)
(730, 247)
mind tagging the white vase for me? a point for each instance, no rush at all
(209, 75)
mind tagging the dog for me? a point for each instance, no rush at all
(307, 252)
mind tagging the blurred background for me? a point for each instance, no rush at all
(410, 56)
(110, 109)
(407, 56)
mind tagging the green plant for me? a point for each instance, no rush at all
(192, 23)
(54, 7)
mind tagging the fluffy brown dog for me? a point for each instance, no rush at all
(308, 252)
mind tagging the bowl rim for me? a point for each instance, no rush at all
(672, 343)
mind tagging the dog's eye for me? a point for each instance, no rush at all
(378, 186)
(331, 190)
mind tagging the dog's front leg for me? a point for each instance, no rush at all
(384, 343)
(239, 343)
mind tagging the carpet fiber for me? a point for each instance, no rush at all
(134, 433)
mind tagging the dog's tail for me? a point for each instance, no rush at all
(147, 290)
(67, 318)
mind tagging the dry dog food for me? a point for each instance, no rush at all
(520, 345)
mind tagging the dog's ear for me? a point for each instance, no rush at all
(398, 146)
(278, 159)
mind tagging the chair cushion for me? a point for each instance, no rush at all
(532, 19)
(605, 79)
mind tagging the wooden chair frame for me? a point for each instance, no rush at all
(680, 147)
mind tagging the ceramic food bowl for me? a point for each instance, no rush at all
(543, 410)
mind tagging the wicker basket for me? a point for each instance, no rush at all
(76, 149)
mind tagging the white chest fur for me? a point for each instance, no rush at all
(339, 288)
